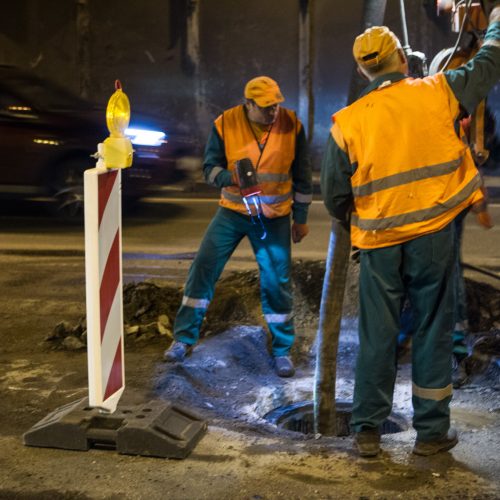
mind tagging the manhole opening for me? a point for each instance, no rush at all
(299, 417)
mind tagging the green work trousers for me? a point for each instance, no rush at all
(273, 255)
(422, 269)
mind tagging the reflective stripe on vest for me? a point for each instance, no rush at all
(413, 174)
(273, 177)
(273, 163)
(268, 200)
(418, 215)
(416, 174)
(195, 303)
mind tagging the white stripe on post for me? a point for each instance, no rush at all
(103, 269)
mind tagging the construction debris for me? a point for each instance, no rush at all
(149, 312)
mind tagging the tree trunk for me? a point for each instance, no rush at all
(306, 58)
(193, 52)
(82, 46)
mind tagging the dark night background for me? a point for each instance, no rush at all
(144, 45)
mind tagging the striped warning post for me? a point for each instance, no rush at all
(103, 273)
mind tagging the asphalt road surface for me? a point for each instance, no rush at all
(167, 225)
(42, 282)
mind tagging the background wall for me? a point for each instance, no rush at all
(145, 44)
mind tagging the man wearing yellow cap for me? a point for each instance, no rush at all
(397, 171)
(273, 139)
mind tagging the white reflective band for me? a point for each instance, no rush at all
(493, 43)
(268, 200)
(214, 173)
(273, 177)
(421, 215)
(303, 198)
(195, 303)
(433, 394)
(278, 318)
(403, 178)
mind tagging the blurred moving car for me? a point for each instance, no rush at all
(48, 134)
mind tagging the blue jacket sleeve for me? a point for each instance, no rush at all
(215, 162)
(472, 81)
(301, 180)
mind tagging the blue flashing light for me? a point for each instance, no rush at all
(143, 137)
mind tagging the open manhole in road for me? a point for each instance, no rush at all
(299, 417)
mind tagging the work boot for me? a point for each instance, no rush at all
(284, 366)
(177, 352)
(368, 442)
(426, 448)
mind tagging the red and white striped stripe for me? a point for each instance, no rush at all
(103, 263)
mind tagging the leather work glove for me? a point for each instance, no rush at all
(299, 231)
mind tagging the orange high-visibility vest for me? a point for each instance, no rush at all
(273, 163)
(412, 173)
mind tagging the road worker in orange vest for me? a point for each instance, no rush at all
(397, 171)
(272, 138)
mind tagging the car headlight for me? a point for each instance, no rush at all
(143, 137)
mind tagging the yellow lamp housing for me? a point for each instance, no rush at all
(117, 152)
(117, 148)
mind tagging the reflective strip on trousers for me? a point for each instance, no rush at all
(303, 198)
(278, 318)
(433, 394)
(417, 174)
(214, 173)
(195, 303)
(268, 200)
(418, 215)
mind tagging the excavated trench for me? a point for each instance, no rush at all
(229, 378)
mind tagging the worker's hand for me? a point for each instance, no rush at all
(299, 231)
(234, 178)
(483, 217)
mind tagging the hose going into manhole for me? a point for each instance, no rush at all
(325, 417)
(327, 341)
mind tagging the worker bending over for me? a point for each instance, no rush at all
(273, 139)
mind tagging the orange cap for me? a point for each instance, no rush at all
(264, 91)
(374, 45)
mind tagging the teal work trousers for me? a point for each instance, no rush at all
(273, 255)
(423, 269)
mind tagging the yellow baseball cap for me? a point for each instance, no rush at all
(264, 91)
(374, 45)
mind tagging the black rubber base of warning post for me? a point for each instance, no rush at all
(155, 429)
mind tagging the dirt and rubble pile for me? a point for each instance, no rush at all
(149, 311)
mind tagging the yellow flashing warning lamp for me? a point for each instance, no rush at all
(117, 148)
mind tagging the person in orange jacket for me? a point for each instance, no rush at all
(273, 139)
(398, 173)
